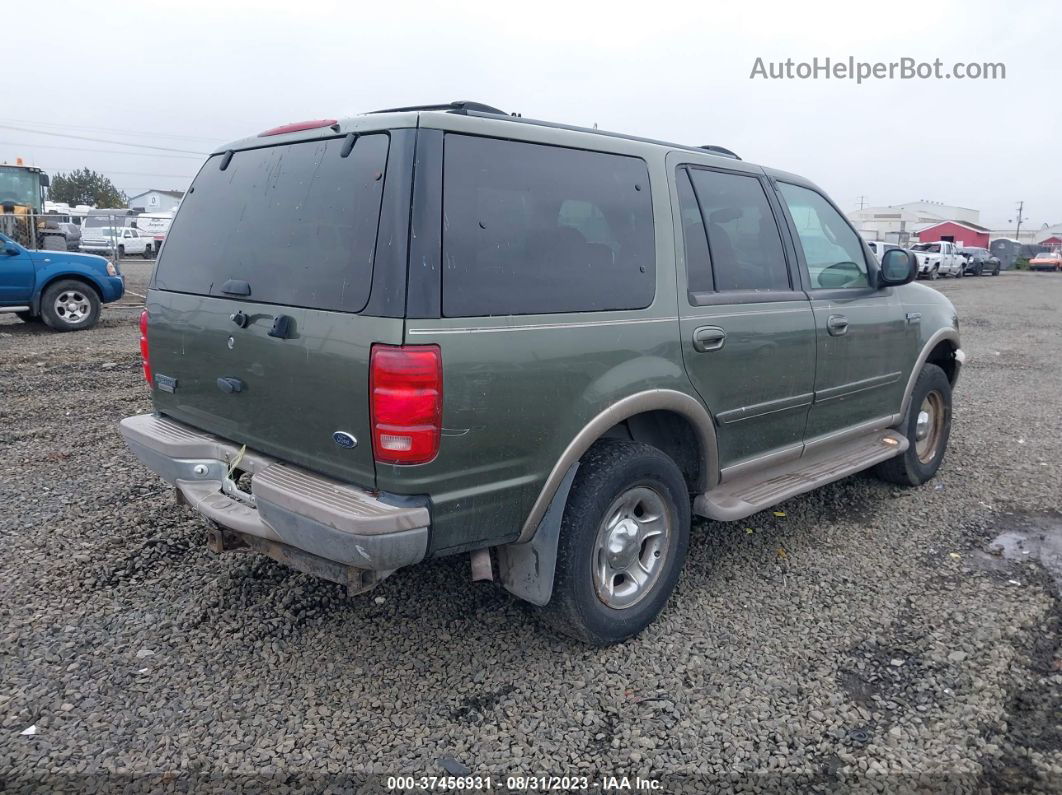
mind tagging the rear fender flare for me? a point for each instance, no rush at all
(650, 400)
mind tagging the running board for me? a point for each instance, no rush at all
(756, 491)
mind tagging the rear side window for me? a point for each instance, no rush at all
(698, 267)
(743, 238)
(297, 222)
(533, 229)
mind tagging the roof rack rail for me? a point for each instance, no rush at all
(719, 150)
(461, 106)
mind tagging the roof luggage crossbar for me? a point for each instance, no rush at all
(461, 106)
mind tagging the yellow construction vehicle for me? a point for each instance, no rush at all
(22, 206)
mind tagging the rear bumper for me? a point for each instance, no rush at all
(289, 506)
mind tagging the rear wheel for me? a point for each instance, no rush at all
(70, 305)
(623, 542)
(927, 427)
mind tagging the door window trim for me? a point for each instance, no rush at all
(796, 291)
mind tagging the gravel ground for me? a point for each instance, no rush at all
(872, 634)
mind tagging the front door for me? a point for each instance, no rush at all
(17, 274)
(748, 331)
(865, 341)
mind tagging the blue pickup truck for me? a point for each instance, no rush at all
(63, 289)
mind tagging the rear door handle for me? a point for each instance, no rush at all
(708, 338)
(837, 325)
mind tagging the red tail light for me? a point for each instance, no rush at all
(405, 389)
(144, 348)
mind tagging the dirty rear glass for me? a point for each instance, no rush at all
(296, 222)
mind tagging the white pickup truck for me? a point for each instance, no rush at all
(939, 259)
(105, 239)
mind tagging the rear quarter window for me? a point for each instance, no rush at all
(531, 229)
(297, 222)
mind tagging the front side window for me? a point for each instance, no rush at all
(743, 240)
(832, 249)
(531, 229)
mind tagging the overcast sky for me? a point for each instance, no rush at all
(191, 75)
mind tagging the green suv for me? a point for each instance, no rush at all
(444, 329)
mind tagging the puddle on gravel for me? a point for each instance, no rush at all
(1024, 538)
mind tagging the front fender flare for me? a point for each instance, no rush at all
(949, 334)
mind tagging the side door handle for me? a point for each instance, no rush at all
(837, 325)
(708, 338)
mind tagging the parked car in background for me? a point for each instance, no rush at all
(64, 290)
(938, 259)
(71, 231)
(1047, 261)
(879, 248)
(625, 332)
(979, 261)
(117, 241)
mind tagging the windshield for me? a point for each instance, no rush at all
(296, 223)
(933, 248)
(20, 186)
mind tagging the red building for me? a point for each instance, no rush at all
(1055, 241)
(959, 232)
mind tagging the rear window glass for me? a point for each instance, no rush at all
(296, 222)
(538, 229)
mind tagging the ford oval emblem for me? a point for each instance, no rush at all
(344, 439)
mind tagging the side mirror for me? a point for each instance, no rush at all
(11, 251)
(897, 267)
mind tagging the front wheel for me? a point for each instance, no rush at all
(934, 274)
(146, 254)
(622, 545)
(121, 252)
(927, 427)
(70, 305)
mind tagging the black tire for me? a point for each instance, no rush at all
(910, 469)
(121, 252)
(996, 271)
(147, 252)
(609, 470)
(934, 274)
(60, 321)
(28, 317)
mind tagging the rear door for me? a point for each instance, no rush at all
(258, 327)
(748, 332)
